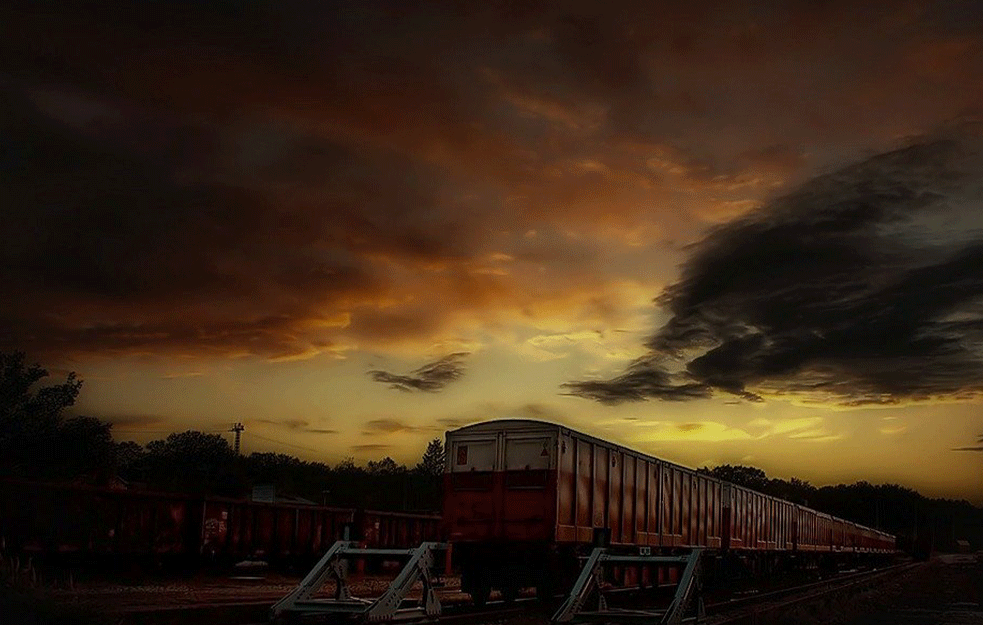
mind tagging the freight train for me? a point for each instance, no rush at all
(523, 499)
(89, 523)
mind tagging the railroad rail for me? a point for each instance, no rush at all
(728, 612)
(738, 610)
(687, 595)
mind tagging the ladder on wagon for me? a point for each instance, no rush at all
(689, 592)
(302, 603)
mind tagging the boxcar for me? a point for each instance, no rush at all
(396, 530)
(233, 528)
(523, 499)
(88, 523)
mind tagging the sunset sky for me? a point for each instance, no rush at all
(718, 235)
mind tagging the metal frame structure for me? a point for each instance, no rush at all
(689, 590)
(388, 607)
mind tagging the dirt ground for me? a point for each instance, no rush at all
(946, 591)
(200, 590)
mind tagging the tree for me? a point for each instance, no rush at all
(17, 398)
(191, 461)
(84, 446)
(31, 419)
(386, 466)
(432, 462)
(749, 477)
(347, 465)
(128, 457)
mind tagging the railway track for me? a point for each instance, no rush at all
(730, 612)
(747, 608)
(744, 609)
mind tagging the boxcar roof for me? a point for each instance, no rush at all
(518, 424)
(533, 424)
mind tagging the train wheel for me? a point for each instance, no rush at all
(510, 592)
(480, 593)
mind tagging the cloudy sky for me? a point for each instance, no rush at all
(715, 233)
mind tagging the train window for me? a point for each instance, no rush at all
(527, 454)
(473, 456)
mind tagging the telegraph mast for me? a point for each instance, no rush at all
(237, 428)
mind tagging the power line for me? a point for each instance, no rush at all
(115, 431)
(273, 440)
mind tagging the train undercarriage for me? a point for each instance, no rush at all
(549, 568)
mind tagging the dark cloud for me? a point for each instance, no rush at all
(144, 247)
(225, 179)
(387, 426)
(375, 427)
(861, 286)
(431, 377)
(296, 425)
(978, 440)
(643, 380)
(371, 447)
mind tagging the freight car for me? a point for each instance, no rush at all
(89, 523)
(523, 499)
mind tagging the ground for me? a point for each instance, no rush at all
(946, 591)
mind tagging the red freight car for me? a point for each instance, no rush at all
(234, 528)
(90, 522)
(396, 530)
(523, 498)
(70, 519)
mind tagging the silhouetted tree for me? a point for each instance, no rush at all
(432, 462)
(35, 438)
(84, 446)
(347, 465)
(386, 466)
(128, 456)
(190, 461)
(18, 400)
(750, 477)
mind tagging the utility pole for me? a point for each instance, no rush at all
(237, 428)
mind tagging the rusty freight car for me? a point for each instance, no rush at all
(90, 523)
(523, 499)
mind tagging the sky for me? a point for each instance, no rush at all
(714, 232)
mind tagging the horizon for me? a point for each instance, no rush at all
(409, 465)
(729, 236)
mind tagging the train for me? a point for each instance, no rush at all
(523, 499)
(72, 521)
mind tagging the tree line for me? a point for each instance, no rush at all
(37, 441)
